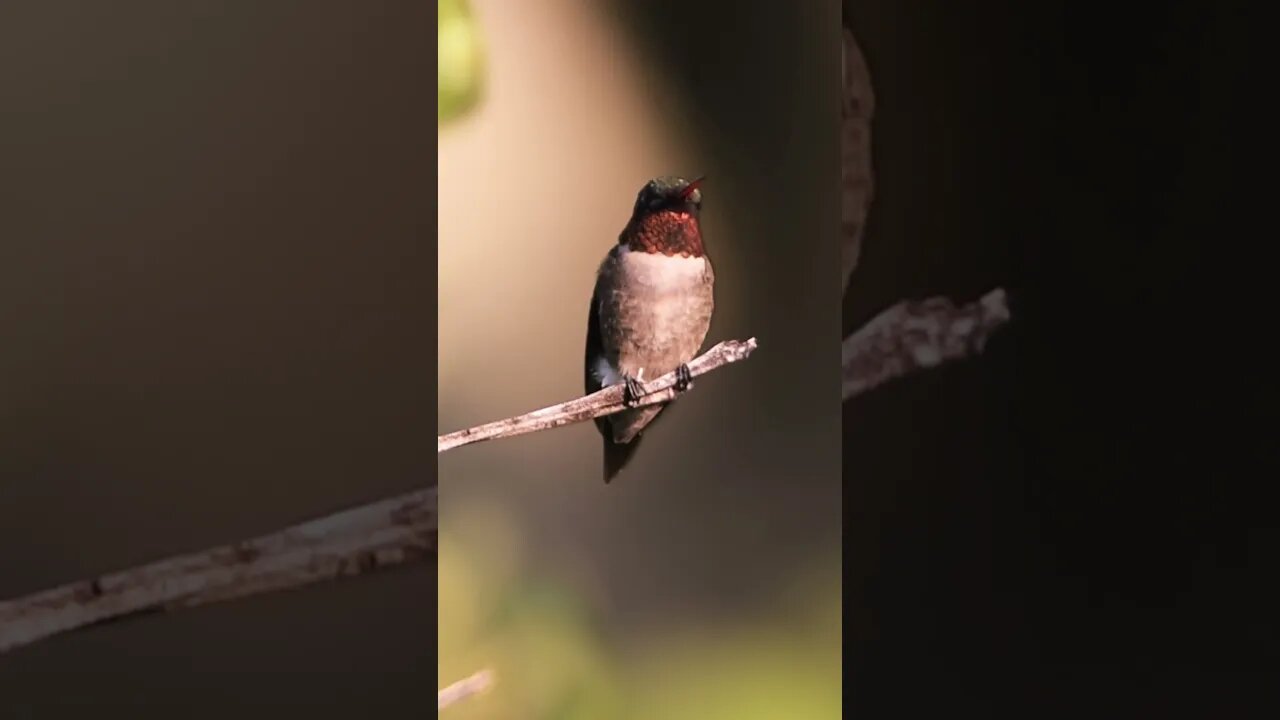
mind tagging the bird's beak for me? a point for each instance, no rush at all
(685, 193)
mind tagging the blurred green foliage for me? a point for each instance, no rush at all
(551, 662)
(461, 60)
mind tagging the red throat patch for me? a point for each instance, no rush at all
(668, 232)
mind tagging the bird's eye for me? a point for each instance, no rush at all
(655, 202)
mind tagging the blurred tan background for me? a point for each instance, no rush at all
(705, 581)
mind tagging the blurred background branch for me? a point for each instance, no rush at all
(857, 108)
(352, 542)
(912, 335)
(917, 335)
(464, 688)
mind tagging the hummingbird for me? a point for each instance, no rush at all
(650, 310)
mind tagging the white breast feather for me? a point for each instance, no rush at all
(662, 272)
(665, 277)
(605, 373)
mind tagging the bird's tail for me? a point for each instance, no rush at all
(617, 455)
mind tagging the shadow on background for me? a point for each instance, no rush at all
(1076, 516)
(215, 320)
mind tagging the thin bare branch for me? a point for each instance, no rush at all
(604, 402)
(464, 688)
(352, 542)
(917, 335)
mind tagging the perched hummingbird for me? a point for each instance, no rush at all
(650, 310)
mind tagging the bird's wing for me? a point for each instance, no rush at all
(595, 344)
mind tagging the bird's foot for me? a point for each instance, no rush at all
(633, 391)
(684, 378)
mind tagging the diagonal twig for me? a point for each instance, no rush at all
(390, 532)
(603, 402)
(464, 688)
(352, 542)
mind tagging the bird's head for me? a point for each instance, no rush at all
(665, 218)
